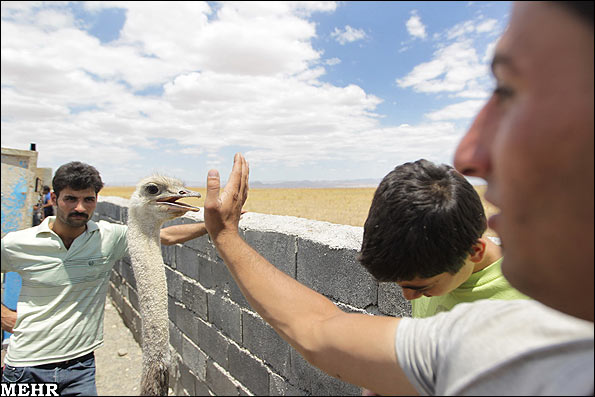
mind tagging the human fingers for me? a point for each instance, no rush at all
(213, 187)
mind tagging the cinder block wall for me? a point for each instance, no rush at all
(220, 344)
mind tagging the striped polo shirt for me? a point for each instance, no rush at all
(62, 299)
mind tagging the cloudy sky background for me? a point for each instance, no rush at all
(306, 90)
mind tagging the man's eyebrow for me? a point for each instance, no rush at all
(501, 59)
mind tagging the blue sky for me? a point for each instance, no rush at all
(306, 90)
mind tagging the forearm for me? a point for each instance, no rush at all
(9, 318)
(181, 233)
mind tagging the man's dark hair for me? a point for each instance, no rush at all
(424, 220)
(77, 176)
(581, 9)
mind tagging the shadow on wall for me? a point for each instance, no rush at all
(219, 344)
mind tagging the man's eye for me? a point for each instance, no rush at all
(503, 92)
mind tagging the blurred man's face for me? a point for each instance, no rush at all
(533, 143)
(75, 207)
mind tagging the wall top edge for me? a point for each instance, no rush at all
(333, 235)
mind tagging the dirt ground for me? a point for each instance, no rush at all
(119, 361)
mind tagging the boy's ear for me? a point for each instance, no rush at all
(479, 251)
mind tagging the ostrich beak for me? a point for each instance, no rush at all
(173, 206)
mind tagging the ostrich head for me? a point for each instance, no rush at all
(156, 197)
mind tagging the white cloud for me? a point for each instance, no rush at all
(452, 69)
(457, 111)
(415, 27)
(348, 35)
(332, 61)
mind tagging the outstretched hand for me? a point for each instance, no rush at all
(222, 211)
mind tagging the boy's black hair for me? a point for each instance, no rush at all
(424, 220)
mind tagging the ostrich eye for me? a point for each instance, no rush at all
(152, 189)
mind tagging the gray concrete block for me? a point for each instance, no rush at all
(277, 248)
(249, 371)
(175, 337)
(279, 386)
(186, 321)
(187, 379)
(194, 358)
(168, 252)
(335, 273)
(213, 343)
(186, 261)
(262, 341)
(391, 301)
(133, 298)
(171, 309)
(202, 389)
(226, 316)
(219, 382)
(174, 283)
(195, 298)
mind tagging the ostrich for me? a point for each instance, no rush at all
(152, 203)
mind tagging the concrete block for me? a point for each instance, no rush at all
(186, 321)
(279, 386)
(248, 371)
(277, 248)
(187, 380)
(225, 315)
(195, 298)
(115, 278)
(391, 301)
(186, 261)
(171, 309)
(219, 381)
(194, 358)
(335, 273)
(174, 283)
(262, 341)
(202, 389)
(213, 343)
(175, 337)
(168, 252)
(133, 298)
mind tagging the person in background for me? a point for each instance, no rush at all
(426, 232)
(48, 203)
(533, 143)
(65, 264)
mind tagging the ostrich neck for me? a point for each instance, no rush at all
(145, 253)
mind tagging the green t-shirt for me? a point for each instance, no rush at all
(488, 283)
(62, 299)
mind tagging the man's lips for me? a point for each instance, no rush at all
(78, 216)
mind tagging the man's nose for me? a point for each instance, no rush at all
(80, 207)
(472, 154)
(411, 294)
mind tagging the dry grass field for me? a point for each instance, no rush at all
(346, 206)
